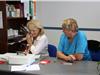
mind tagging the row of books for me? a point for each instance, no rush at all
(16, 10)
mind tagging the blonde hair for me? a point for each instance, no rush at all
(35, 24)
(69, 23)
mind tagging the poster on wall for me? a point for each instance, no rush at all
(1, 20)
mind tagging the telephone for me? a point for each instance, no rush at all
(24, 29)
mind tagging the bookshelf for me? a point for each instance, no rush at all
(13, 21)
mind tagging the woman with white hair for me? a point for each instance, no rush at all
(37, 41)
(73, 43)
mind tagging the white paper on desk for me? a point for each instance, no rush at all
(17, 68)
(26, 68)
(33, 67)
(66, 63)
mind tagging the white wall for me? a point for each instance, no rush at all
(54, 35)
(93, 35)
(87, 14)
(52, 13)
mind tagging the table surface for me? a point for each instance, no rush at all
(56, 68)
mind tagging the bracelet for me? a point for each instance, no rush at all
(73, 57)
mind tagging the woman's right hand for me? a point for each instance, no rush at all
(29, 38)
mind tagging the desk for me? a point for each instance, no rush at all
(77, 68)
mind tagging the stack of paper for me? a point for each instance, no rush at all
(25, 67)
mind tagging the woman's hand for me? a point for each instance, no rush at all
(29, 39)
(27, 50)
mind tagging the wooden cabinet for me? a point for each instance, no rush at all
(11, 23)
(3, 31)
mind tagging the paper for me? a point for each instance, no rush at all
(66, 63)
(1, 20)
(25, 67)
(17, 68)
(33, 67)
(26, 9)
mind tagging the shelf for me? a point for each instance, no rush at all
(14, 9)
(16, 18)
(12, 18)
(16, 22)
(15, 38)
(13, 2)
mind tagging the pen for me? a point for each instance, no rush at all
(30, 63)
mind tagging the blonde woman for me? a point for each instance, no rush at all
(37, 41)
(73, 43)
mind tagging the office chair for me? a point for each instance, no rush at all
(52, 50)
(94, 48)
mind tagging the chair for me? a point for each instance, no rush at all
(94, 48)
(52, 50)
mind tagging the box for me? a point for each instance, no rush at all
(13, 58)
